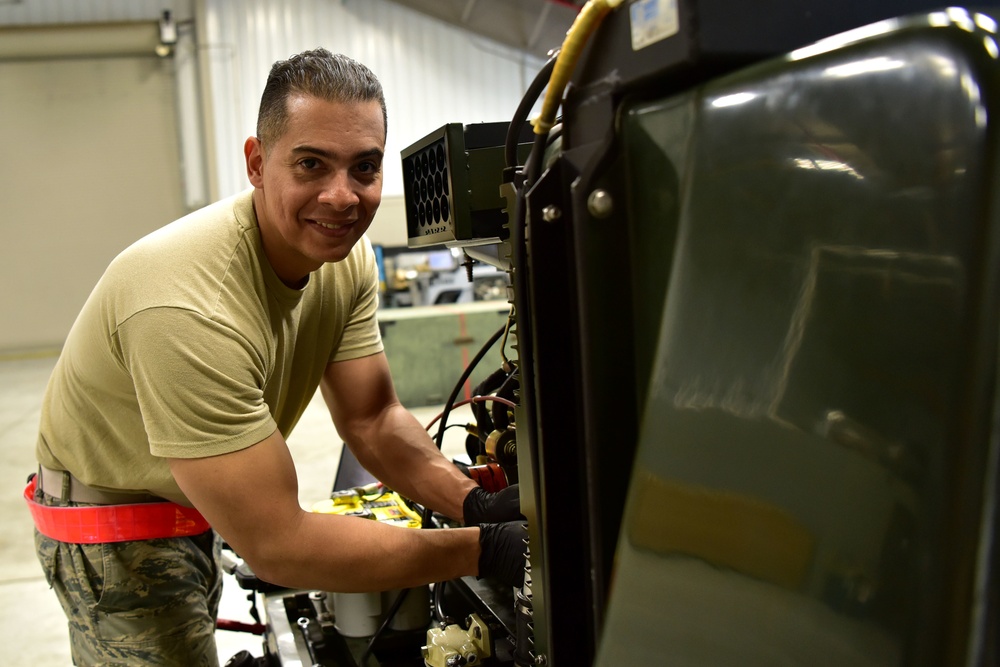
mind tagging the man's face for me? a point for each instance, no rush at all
(318, 187)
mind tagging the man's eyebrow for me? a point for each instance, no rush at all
(330, 155)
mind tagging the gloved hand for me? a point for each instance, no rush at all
(481, 506)
(502, 548)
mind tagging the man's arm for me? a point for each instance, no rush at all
(386, 439)
(251, 499)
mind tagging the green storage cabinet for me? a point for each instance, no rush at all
(428, 348)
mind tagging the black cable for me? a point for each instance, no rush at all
(510, 151)
(533, 165)
(426, 519)
(482, 411)
(499, 411)
(427, 513)
(461, 383)
(521, 115)
(439, 614)
(454, 426)
(510, 154)
(363, 662)
(466, 427)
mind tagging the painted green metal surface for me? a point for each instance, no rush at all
(818, 447)
(429, 348)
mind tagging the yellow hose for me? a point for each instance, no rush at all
(576, 37)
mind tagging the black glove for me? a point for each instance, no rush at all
(481, 506)
(502, 548)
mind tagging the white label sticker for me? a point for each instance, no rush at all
(653, 20)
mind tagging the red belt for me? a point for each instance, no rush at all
(114, 523)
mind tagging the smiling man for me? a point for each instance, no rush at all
(318, 180)
(191, 362)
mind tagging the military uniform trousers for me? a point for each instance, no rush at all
(149, 602)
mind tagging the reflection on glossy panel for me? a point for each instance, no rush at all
(816, 434)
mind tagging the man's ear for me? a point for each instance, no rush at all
(254, 155)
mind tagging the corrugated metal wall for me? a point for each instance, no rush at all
(432, 73)
(41, 12)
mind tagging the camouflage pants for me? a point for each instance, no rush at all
(150, 602)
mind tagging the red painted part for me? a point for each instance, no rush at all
(113, 523)
(240, 626)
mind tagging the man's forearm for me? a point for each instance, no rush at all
(349, 555)
(250, 498)
(400, 453)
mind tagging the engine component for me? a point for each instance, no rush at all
(490, 476)
(361, 614)
(451, 180)
(502, 447)
(452, 646)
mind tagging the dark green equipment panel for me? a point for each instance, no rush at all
(817, 255)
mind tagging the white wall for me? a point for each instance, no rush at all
(89, 122)
(432, 74)
(49, 12)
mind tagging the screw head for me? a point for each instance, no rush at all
(600, 204)
(551, 213)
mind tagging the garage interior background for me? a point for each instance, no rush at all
(106, 141)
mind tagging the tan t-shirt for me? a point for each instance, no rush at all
(191, 346)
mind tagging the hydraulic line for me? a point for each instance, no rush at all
(579, 33)
(521, 114)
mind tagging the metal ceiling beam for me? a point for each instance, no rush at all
(534, 26)
(537, 32)
(467, 12)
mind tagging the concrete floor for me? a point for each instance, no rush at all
(30, 616)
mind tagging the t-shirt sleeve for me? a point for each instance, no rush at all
(361, 336)
(199, 383)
